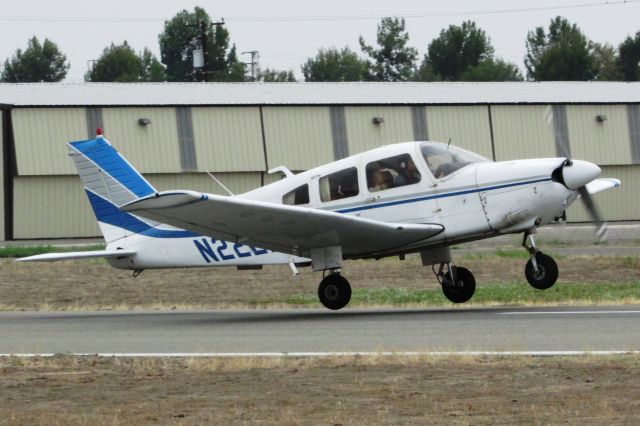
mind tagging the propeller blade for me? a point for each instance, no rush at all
(594, 213)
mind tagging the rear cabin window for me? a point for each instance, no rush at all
(339, 185)
(300, 195)
(392, 172)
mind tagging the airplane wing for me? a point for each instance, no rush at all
(279, 227)
(53, 257)
(600, 185)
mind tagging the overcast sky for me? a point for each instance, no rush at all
(287, 32)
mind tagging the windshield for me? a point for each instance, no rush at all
(444, 160)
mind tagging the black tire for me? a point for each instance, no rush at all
(463, 288)
(547, 274)
(334, 292)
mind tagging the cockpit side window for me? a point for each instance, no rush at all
(339, 185)
(444, 160)
(298, 196)
(392, 172)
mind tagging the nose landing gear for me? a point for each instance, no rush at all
(541, 270)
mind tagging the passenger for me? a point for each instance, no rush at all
(382, 179)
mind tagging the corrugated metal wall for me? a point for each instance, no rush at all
(603, 142)
(363, 134)
(51, 207)
(236, 182)
(241, 143)
(297, 137)
(2, 141)
(152, 148)
(228, 139)
(525, 131)
(40, 137)
(618, 204)
(467, 126)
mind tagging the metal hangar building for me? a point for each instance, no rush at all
(175, 133)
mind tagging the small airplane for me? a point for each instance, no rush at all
(412, 197)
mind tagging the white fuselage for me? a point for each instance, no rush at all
(475, 202)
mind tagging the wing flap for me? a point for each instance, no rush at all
(54, 257)
(289, 229)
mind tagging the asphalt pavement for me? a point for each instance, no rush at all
(611, 328)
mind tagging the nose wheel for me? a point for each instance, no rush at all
(541, 270)
(334, 291)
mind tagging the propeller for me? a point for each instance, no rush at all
(576, 174)
(594, 214)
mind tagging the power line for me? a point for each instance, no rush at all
(434, 14)
(70, 19)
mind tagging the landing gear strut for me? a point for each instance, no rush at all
(458, 283)
(334, 291)
(541, 270)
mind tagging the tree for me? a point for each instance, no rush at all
(629, 58)
(455, 50)
(181, 36)
(39, 62)
(335, 65)
(274, 76)
(120, 63)
(562, 54)
(150, 68)
(393, 60)
(117, 63)
(605, 62)
(492, 70)
(235, 70)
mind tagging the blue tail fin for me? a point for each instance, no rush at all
(110, 181)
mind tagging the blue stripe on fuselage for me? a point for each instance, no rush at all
(433, 197)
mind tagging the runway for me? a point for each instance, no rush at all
(611, 328)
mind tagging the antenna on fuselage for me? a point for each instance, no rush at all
(449, 143)
(220, 183)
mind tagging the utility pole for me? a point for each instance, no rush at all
(204, 29)
(254, 62)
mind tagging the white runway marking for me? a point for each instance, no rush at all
(567, 312)
(321, 354)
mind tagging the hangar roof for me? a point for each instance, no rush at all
(357, 93)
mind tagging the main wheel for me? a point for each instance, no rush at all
(334, 292)
(463, 286)
(547, 273)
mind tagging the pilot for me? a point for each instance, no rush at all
(408, 174)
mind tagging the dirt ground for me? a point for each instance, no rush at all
(95, 285)
(335, 391)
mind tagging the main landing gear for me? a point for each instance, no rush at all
(334, 291)
(541, 270)
(458, 283)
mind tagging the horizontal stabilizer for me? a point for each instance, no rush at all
(600, 185)
(53, 257)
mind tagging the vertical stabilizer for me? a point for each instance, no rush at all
(110, 181)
